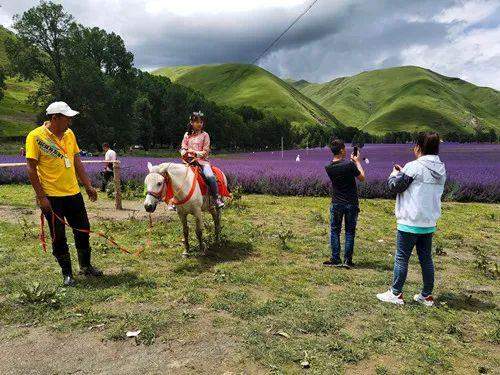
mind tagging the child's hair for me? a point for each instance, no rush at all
(195, 116)
(428, 142)
(336, 145)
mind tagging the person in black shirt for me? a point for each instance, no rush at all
(343, 174)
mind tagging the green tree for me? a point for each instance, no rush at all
(142, 119)
(86, 67)
(39, 46)
(2, 83)
(102, 85)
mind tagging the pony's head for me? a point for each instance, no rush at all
(155, 187)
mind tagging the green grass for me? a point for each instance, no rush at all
(406, 98)
(275, 303)
(242, 84)
(17, 117)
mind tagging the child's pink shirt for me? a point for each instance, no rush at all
(196, 142)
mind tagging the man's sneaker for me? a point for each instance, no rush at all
(90, 271)
(349, 264)
(426, 301)
(333, 263)
(171, 207)
(219, 203)
(390, 297)
(68, 281)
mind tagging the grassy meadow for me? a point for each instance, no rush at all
(17, 117)
(260, 302)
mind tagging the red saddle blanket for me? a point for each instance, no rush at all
(219, 176)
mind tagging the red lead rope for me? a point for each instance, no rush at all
(88, 231)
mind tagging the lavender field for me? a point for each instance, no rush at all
(473, 171)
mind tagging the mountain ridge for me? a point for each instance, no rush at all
(407, 98)
(244, 84)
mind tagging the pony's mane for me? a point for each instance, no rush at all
(160, 167)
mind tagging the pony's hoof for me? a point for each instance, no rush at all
(185, 254)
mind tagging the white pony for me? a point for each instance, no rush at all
(187, 195)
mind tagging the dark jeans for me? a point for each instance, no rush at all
(349, 213)
(405, 244)
(71, 208)
(106, 176)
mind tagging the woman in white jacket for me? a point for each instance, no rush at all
(419, 187)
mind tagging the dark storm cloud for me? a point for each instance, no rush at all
(336, 38)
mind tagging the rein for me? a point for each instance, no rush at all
(54, 216)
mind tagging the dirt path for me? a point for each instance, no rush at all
(40, 351)
(101, 210)
(25, 117)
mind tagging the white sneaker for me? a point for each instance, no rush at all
(426, 301)
(390, 297)
(171, 207)
(219, 203)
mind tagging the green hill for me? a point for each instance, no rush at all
(406, 98)
(4, 34)
(17, 117)
(242, 84)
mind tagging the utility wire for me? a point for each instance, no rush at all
(286, 30)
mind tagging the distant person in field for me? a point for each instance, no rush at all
(54, 164)
(345, 205)
(419, 187)
(196, 148)
(107, 174)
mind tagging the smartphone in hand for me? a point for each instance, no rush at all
(355, 151)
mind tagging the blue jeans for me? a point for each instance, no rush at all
(405, 244)
(339, 211)
(212, 182)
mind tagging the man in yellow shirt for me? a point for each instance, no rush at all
(52, 155)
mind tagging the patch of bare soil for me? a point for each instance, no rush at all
(13, 214)
(26, 117)
(100, 210)
(40, 351)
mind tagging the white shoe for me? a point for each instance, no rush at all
(390, 297)
(219, 203)
(171, 207)
(426, 301)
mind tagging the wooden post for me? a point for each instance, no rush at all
(118, 187)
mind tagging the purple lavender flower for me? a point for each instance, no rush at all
(473, 170)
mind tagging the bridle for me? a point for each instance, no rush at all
(166, 177)
(161, 193)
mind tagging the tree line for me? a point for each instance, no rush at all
(92, 70)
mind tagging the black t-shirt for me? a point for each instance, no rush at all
(342, 173)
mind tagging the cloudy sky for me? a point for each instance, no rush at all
(336, 38)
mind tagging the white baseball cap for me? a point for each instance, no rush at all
(62, 108)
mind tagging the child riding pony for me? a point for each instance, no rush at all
(195, 150)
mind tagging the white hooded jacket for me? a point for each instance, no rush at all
(419, 185)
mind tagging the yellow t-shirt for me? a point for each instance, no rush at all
(57, 175)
